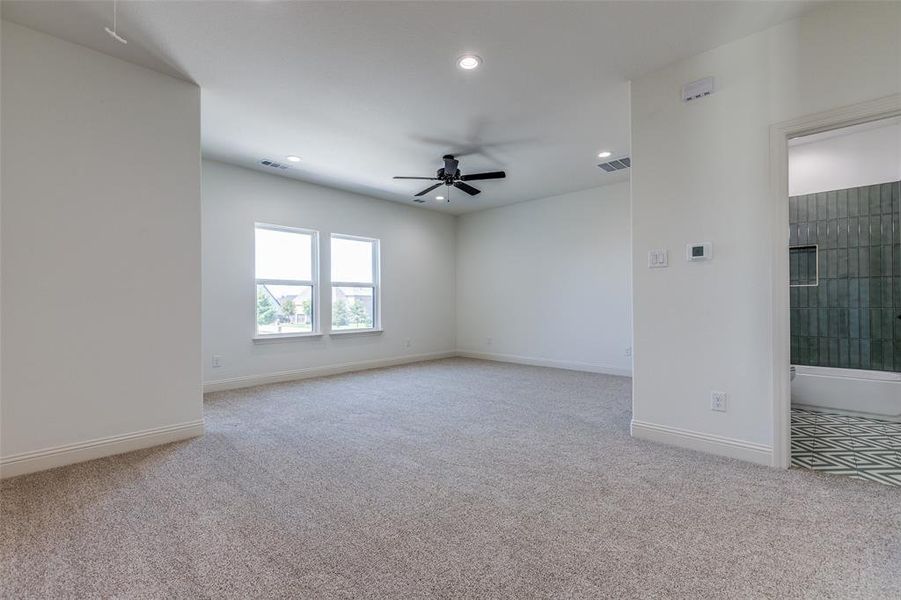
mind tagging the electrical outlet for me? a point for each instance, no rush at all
(489, 341)
(718, 401)
(629, 351)
(407, 343)
(217, 361)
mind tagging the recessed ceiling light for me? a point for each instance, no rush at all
(604, 154)
(469, 62)
(292, 158)
(439, 197)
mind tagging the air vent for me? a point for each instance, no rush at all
(274, 165)
(616, 165)
(418, 200)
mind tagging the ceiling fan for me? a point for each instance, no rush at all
(449, 175)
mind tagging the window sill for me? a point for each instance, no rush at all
(284, 337)
(356, 332)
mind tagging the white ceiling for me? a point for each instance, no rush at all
(366, 90)
(848, 157)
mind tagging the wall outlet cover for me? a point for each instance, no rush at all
(718, 401)
(217, 361)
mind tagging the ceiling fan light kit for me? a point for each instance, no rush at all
(450, 176)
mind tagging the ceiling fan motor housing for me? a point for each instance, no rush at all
(449, 178)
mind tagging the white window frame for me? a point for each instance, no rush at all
(313, 283)
(376, 285)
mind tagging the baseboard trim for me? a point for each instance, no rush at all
(245, 381)
(704, 442)
(546, 362)
(49, 458)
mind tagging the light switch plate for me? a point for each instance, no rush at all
(658, 259)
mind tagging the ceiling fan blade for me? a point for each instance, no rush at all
(450, 165)
(429, 189)
(466, 188)
(478, 176)
(427, 178)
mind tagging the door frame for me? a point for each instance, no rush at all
(780, 134)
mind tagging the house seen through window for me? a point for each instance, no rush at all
(286, 280)
(355, 283)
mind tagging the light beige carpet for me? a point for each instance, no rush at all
(449, 479)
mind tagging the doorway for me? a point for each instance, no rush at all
(845, 303)
(837, 291)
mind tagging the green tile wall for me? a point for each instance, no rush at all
(851, 318)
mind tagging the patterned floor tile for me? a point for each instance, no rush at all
(852, 446)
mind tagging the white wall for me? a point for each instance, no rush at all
(100, 252)
(547, 281)
(851, 157)
(701, 173)
(417, 276)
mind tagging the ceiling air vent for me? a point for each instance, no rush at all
(419, 200)
(274, 165)
(616, 165)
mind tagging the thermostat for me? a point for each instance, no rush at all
(699, 251)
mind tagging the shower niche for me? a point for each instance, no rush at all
(804, 266)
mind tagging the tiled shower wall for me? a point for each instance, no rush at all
(850, 318)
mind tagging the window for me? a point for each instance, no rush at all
(355, 283)
(287, 280)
